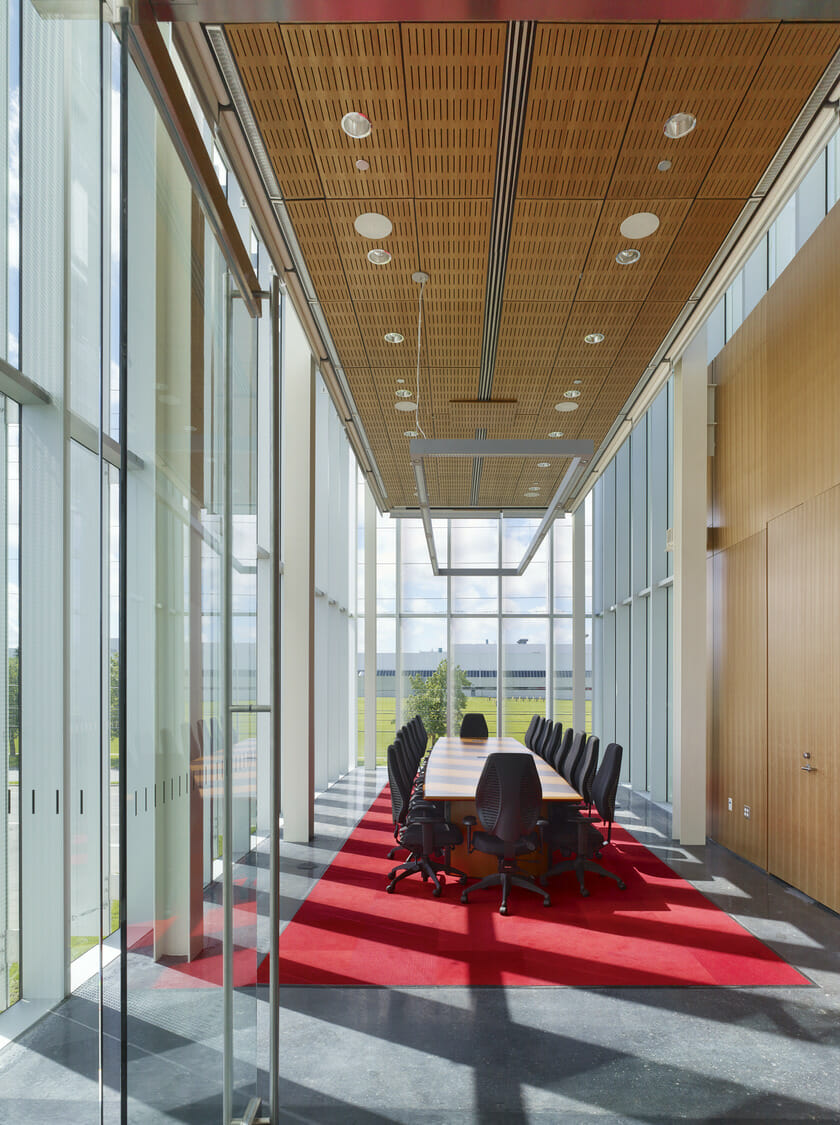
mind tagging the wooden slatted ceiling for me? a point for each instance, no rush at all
(592, 138)
(262, 62)
(453, 77)
(584, 79)
(704, 70)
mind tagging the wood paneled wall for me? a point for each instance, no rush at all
(738, 738)
(775, 511)
(803, 687)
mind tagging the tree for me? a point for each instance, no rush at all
(429, 699)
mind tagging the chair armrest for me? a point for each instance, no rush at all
(542, 827)
(469, 823)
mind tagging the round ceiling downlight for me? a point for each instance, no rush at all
(378, 257)
(403, 392)
(556, 433)
(355, 125)
(679, 125)
(407, 407)
(362, 165)
(640, 225)
(409, 433)
(394, 337)
(564, 407)
(594, 338)
(419, 277)
(543, 464)
(370, 224)
(663, 166)
(571, 394)
(623, 257)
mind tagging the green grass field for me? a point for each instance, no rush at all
(517, 714)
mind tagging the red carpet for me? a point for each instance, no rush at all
(659, 931)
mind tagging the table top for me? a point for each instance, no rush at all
(455, 765)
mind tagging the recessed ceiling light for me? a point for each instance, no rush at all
(663, 166)
(400, 380)
(370, 224)
(379, 257)
(410, 433)
(355, 125)
(571, 394)
(419, 277)
(640, 225)
(594, 338)
(362, 165)
(543, 464)
(563, 407)
(577, 381)
(679, 125)
(405, 406)
(403, 392)
(394, 337)
(623, 257)
(556, 433)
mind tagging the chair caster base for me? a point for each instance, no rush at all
(546, 901)
(465, 898)
(390, 888)
(622, 886)
(584, 892)
(503, 910)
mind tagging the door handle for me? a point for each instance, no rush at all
(809, 768)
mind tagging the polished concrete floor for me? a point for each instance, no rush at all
(450, 1055)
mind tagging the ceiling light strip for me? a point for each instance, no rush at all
(239, 100)
(478, 466)
(820, 94)
(419, 448)
(519, 49)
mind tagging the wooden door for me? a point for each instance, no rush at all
(803, 696)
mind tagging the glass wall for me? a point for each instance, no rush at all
(631, 591)
(449, 645)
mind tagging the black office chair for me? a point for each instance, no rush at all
(578, 834)
(561, 752)
(507, 803)
(529, 733)
(585, 767)
(552, 743)
(426, 836)
(474, 725)
(577, 748)
(543, 738)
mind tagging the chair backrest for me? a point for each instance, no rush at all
(508, 796)
(541, 743)
(561, 753)
(529, 733)
(400, 791)
(605, 784)
(474, 725)
(420, 728)
(575, 751)
(587, 763)
(410, 736)
(551, 744)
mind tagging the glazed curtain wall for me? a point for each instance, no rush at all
(502, 646)
(133, 874)
(632, 601)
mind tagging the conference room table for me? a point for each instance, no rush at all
(452, 774)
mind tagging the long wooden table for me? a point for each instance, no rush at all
(452, 774)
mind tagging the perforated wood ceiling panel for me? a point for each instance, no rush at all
(535, 223)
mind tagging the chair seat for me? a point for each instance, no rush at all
(444, 835)
(493, 845)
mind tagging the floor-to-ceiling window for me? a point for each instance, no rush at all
(447, 645)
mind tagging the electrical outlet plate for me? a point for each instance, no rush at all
(729, 803)
(747, 811)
